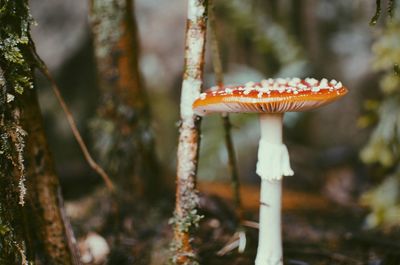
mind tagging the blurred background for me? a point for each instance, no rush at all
(347, 152)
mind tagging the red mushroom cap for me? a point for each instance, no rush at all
(270, 96)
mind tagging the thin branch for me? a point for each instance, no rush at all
(93, 164)
(378, 10)
(219, 79)
(251, 224)
(216, 55)
(391, 8)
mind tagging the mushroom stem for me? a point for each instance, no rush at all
(269, 250)
(273, 163)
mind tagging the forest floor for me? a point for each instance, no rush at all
(315, 230)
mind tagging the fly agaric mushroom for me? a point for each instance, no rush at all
(271, 98)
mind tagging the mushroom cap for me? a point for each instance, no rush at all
(270, 96)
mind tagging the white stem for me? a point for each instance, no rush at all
(269, 250)
(273, 162)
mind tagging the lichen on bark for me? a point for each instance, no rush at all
(15, 21)
(32, 227)
(15, 75)
(12, 243)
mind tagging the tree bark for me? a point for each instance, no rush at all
(123, 137)
(33, 229)
(48, 223)
(13, 240)
(39, 225)
(186, 216)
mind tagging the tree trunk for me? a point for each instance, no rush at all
(186, 216)
(55, 241)
(13, 237)
(32, 227)
(31, 210)
(123, 137)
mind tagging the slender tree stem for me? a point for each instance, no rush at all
(92, 163)
(216, 55)
(219, 80)
(378, 10)
(186, 216)
(96, 167)
(391, 7)
(235, 183)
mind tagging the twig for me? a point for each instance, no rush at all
(96, 167)
(216, 55)
(219, 80)
(375, 18)
(238, 240)
(391, 7)
(250, 224)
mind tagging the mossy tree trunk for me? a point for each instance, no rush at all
(32, 223)
(123, 137)
(33, 229)
(13, 239)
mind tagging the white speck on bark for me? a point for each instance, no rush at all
(187, 166)
(196, 48)
(190, 92)
(195, 11)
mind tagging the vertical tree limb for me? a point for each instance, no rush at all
(378, 10)
(219, 80)
(186, 216)
(391, 7)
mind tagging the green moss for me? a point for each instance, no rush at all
(186, 221)
(190, 217)
(15, 21)
(15, 78)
